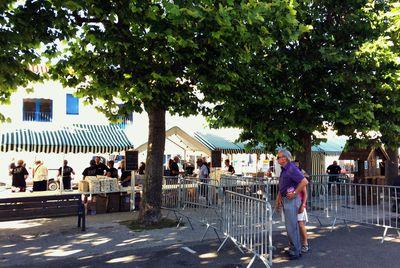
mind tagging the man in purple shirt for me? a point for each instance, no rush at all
(291, 183)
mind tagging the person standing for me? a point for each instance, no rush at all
(126, 176)
(19, 175)
(174, 168)
(142, 168)
(302, 216)
(102, 169)
(228, 167)
(91, 170)
(203, 177)
(40, 176)
(112, 171)
(334, 171)
(291, 183)
(66, 172)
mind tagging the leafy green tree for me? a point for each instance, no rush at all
(315, 83)
(160, 56)
(19, 42)
(381, 55)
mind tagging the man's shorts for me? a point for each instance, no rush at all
(303, 216)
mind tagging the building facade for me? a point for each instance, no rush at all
(51, 106)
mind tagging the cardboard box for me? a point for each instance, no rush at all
(83, 186)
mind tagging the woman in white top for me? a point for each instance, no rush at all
(40, 175)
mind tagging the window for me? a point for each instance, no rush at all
(39, 110)
(72, 104)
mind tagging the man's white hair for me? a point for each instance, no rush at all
(287, 154)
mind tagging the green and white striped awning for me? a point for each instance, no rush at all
(76, 138)
(217, 143)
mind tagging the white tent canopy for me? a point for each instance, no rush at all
(181, 139)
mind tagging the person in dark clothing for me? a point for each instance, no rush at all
(102, 169)
(90, 171)
(228, 167)
(168, 168)
(66, 175)
(142, 168)
(125, 175)
(112, 171)
(174, 168)
(19, 175)
(189, 169)
(334, 171)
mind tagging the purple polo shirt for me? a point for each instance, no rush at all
(291, 176)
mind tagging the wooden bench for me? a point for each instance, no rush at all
(33, 207)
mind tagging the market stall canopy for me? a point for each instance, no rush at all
(75, 138)
(333, 146)
(181, 139)
(217, 143)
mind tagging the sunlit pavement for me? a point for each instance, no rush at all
(48, 242)
(358, 248)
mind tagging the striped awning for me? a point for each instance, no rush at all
(214, 142)
(76, 138)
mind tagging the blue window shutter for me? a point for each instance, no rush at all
(72, 104)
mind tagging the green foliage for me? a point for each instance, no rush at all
(168, 54)
(317, 82)
(382, 56)
(19, 41)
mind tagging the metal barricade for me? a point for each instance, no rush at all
(201, 201)
(317, 200)
(250, 186)
(272, 188)
(248, 224)
(365, 204)
(171, 192)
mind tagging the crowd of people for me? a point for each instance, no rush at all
(40, 174)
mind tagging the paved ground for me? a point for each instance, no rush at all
(53, 242)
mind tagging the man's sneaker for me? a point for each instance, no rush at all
(304, 248)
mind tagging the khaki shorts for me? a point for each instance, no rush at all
(303, 216)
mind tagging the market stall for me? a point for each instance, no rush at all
(75, 138)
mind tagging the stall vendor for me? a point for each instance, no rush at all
(40, 176)
(66, 175)
(91, 170)
(19, 175)
(102, 169)
(125, 175)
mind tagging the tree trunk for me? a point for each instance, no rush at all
(304, 156)
(392, 166)
(150, 206)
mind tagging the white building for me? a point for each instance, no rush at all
(50, 106)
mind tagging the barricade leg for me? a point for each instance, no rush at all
(205, 232)
(384, 234)
(333, 224)
(252, 261)
(223, 243)
(233, 241)
(215, 231)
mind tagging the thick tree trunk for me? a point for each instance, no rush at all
(392, 166)
(150, 206)
(304, 156)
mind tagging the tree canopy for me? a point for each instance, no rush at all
(158, 55)
(318, 82)
(19, 43)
